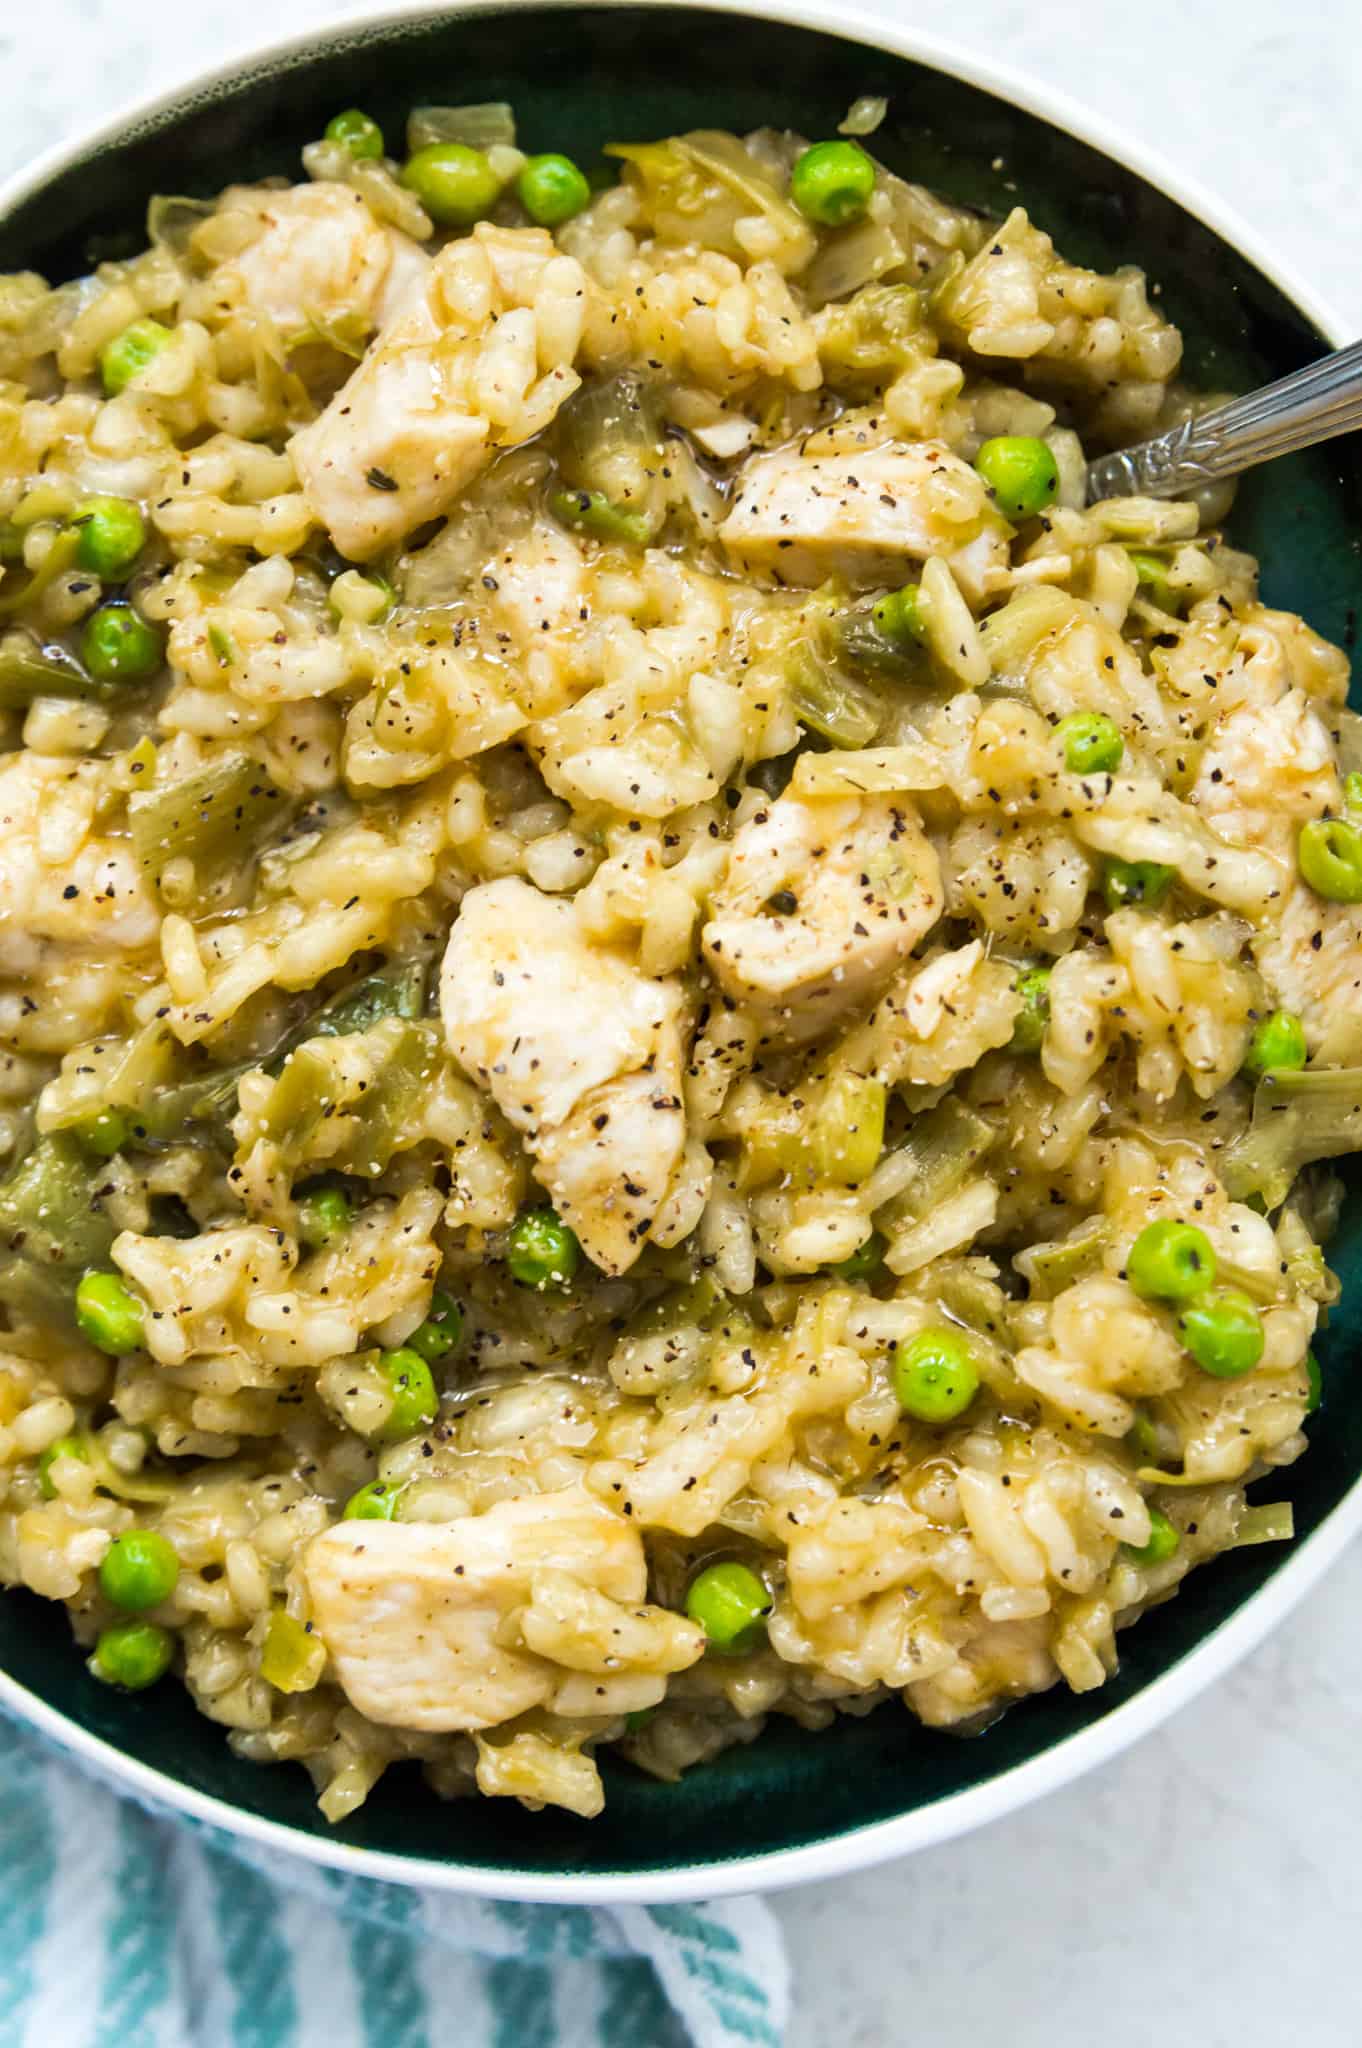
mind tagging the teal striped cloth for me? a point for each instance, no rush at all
(125, 1928)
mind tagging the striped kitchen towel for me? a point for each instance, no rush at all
(122, 1928)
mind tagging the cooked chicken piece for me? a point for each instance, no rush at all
(322, 263)
(1268, 770)
(478, 358)
(420, 1618)
(863, 516)
(821, 901)
(581, 1051)
(59, 880)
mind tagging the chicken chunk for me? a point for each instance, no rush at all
(478, 358)
(821, 901)
(61, 881)
(461, 1625)
(862, 516)
(321, 262)
(581, 1051)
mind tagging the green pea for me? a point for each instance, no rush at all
(376, 1502)
(64, 1447)
(1126, 883)
(1223, 1331)
(1314, 1378)
(900, 615)
(128, 354)
(360, 135)
(1151, 572)
(1352, 790)
(1163, 1541)
(731, 1604)
(1092, 743)
(1021, 472)
(455, 184)
(108, 1314)
(132, 1655)
(1278, 1041)
(118, 646)
(1329, 854)
(1028, 1029)
(1170, 1261)
(442, 1331)
(541, 1251)
(592, 512)
(935, 1376)
(415, 1401)
(323, 1217)
(831, 183)
(864, 1262)
(104, 1132)
(1144, 1435)
(551, 189)
(113, 534)
(140, 1569)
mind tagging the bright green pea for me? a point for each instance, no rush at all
(864, 1262)
(1352, 790)
(455, 184)
(1151, 572)
(551, 189)
(140, 1569)
(1223, 1331)
(592, 512)
(831, 183)
(935, 1376)
(376, 1502)
(1278, 1041)
(323, 1217)
(1170, 1261)
(442, 1331)
(108, 1314)
(415, 1401)
(1130, 882)
(1329, 854)
(1315, 1379)
(900, 615)
(1021, 472)
(730, 1603)
(1092, 743)
(128, 354)
(361, 136)
(1163, 1541)
(1028, 1029)
(113, 534)
(541, 1251)
(64, 1447)
(132, 1655)
(118, 646)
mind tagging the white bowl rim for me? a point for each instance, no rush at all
(856, 1848)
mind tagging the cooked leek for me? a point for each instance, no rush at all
(52, 1223)
(292, 1658)
(1298, 1117)
(1274, 1522)
(844, 712)
(1049, 1268)
(942, 1149)
(484, 124)
(29, 671)
(216, 818)
(847, 1135)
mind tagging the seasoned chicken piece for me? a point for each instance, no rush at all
(821, 901)
(1267, 770)
(580, 1050)
(478, 358)
(461, 1625)
(59, 879)
(321, 262)
(862, 516)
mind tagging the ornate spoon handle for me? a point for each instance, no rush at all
(1313, 405)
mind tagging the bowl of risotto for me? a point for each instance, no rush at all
(680, 1044)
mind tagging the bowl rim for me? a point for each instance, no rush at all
(959, 1813)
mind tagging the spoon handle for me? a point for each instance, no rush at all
(1312, 405)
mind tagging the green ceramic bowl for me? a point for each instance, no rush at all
(792, 1805)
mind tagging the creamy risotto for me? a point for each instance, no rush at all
(668, 1022)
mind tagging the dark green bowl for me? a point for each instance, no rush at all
(791, 1805)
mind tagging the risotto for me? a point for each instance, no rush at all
(669, 1024)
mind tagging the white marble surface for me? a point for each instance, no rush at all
(1203, 1889)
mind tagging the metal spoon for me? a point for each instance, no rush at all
(1313, 405)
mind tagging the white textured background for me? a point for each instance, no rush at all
(1204, 1891)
